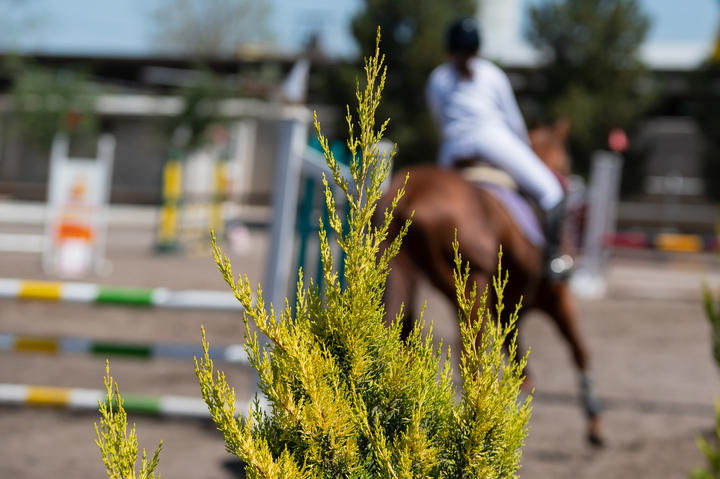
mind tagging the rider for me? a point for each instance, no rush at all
(473, 105)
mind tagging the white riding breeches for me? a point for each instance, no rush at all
(501, 148)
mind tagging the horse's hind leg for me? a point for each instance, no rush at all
(556, 300)
(400, 291)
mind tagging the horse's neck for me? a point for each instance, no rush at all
(550, 148)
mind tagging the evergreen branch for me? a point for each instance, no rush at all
(119, 448)
(347, 397)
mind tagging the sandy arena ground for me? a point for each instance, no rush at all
(648, 339)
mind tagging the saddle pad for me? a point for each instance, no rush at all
(520, 211)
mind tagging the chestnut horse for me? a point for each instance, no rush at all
(441, 201)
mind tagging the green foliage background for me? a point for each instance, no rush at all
(201, 110)
(413, 42)
(46, 102)
(706, 108)
(593, 74)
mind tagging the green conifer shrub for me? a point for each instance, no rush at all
(346, 397)
(119, 448)
(711, 451)
(712, 312)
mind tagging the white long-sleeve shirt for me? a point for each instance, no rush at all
(466, 109)
(478, 117)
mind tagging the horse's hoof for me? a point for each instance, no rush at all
(595, 437)
(596, 440)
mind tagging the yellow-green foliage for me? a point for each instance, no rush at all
(118, 447)
(346, 396)
(712, 311)
(710, 451)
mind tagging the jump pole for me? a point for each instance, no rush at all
(233, 353)
(670, 242)
(87, 400)
(100, 294)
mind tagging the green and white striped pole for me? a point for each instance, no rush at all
(234, 353)
(99, 294)
(87, 399)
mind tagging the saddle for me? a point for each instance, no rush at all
(504, 188)
(483, 173)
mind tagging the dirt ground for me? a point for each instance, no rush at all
(648, 339)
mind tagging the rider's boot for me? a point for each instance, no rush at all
(557, 266)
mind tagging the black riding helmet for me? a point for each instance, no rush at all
(463, 36)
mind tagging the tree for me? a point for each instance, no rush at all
(47, 102)
(192, 127)
(209, 28)
(414, 44)
(593, 73)
(347, 397)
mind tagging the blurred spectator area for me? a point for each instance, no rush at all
(669, 139)
(663, 184)
(138, 98)
(672, 193)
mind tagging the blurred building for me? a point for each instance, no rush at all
(132, 86)
(674, 145)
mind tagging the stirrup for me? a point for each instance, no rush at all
(559, 268)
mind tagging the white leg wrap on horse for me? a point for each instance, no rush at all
(591, 403)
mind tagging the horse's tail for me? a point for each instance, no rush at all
(402, 278)
(400, 215)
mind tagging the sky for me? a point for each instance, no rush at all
(682, 30)
(682, 21)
